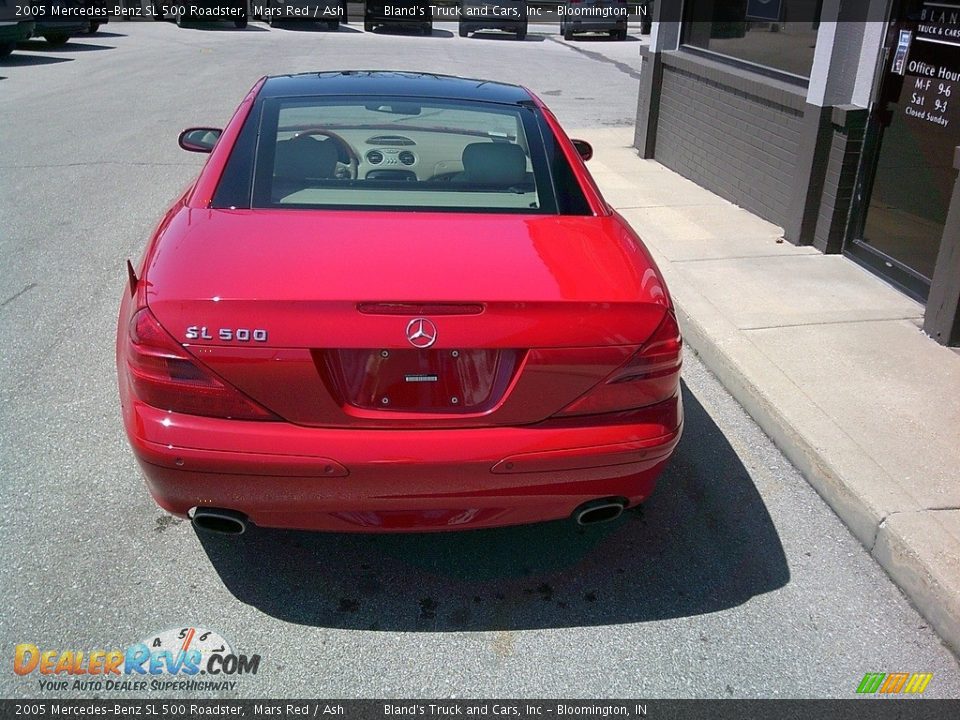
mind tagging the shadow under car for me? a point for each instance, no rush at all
(703, 542)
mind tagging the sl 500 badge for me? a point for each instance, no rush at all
(201, 332)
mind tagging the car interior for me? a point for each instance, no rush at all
(432, 156)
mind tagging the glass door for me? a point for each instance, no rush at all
(906, 177)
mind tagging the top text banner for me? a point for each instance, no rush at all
(73, 11)
(729, 17)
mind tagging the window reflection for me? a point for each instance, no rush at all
(774, 34)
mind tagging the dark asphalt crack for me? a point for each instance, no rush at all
(9, 300)
(622, 67)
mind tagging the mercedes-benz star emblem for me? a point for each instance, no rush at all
(421, 333)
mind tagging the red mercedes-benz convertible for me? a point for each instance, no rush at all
(396, 302)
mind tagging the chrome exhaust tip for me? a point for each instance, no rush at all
(598, 511)
(219, 522)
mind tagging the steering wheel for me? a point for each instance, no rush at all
(343, 148)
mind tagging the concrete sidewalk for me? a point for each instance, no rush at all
(828, 359)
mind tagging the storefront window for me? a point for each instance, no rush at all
(777, 35)
(908, 177)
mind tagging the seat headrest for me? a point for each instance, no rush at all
(494, 163)
(304, 157)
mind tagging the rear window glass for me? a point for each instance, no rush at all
(400, 154)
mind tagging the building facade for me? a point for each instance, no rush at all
(838, 120)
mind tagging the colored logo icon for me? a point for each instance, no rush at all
(894, 683)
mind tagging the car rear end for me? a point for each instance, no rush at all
(398, 14)
(506, 15)
(322, 415)
(12, 32)
(62, 20)
(608, 16)
(330, 12)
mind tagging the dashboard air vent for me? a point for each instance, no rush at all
(390, 140)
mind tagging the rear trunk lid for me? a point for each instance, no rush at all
(379, 319)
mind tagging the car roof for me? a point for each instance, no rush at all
(392, 82)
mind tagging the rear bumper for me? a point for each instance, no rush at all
(597, 24)
(63, 27)
(381, 18)
(283, 475)
(494, 24)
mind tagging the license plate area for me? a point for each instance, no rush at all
(429, 381)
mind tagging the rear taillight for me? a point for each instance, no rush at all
(651, 375)
(163, 375)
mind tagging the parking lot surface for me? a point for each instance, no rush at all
(735, 580)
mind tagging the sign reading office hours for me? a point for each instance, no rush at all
(932, 93)
(931, 84)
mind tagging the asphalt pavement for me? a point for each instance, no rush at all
(735, 580)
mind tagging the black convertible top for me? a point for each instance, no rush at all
(392, 82)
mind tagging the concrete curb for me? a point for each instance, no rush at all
(931, 581)
(912, 534)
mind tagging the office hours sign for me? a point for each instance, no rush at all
(929, 60)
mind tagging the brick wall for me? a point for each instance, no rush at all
(735, 136)
(839, 182)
